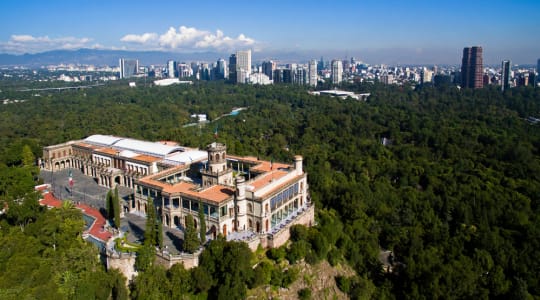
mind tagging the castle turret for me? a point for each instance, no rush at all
(298, 164)
(240, 188)
(217, 171)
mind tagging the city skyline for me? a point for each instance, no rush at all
(392, 32)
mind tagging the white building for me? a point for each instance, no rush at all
(337, 71)
(128, 67)
(259, 78)
(256, 205)
(312, 70)
(243, 65)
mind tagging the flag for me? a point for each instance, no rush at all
(70, 178)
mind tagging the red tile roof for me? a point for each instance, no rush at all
(96, 229)
(267, 178)
(215, 193)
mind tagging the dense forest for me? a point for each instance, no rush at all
(447, 179)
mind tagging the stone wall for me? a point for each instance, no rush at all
(307, 218)
(124, 262)
(189, 260)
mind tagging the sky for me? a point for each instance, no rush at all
(378, 31)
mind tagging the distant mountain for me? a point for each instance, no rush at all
(103, 57)
(390, 56)
(110, 57)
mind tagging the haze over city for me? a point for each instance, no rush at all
(392, 32)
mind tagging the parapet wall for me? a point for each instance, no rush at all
(307, 218)
(189, 260)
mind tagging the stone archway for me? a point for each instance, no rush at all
(57, 166)
(118, 180)
(258, 225)
(176, 220)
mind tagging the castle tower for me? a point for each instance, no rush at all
(216, 171)
(241, 209)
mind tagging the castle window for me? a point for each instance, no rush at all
(250, 209)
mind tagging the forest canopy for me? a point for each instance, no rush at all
(447, 179)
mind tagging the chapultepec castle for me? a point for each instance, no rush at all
(243, 198)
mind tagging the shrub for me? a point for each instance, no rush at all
(304, 294)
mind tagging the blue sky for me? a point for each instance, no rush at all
(380, 31)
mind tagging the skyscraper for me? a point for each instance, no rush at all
(505, 75)
(243, 65)
(537, 72)
(221, 69)
(312, 69)
(172, 71)
(268, 68)
(232, 68)
(128, 67)
(337, 71)
(300, 75)
(472, 68)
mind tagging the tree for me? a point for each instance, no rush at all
(150, 236)
(116, 208)
(23, 211)
(27, 156)
(109, 204)
(202, 223)
(180, 280)
(191, 242)
(146, 254)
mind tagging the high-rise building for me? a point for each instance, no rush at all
(128, 67)
(243, 65)
(287, 76)
(426, 76)
(537, 71)
(172, 71)
(312, 69)
(221, 69)
(505, 75)
(232, 68)
(277, 77)
(320, 65)
(337, 71)
(268, 68)
(300, 75)
(472, 68)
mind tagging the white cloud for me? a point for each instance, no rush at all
(183, 38)
(140, 39)
(30, 44)
(189, 38)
